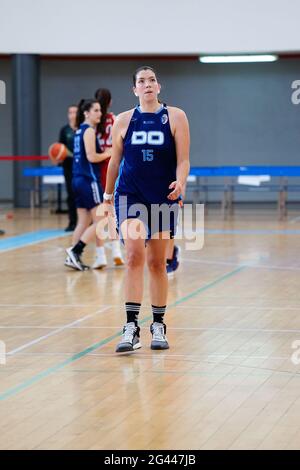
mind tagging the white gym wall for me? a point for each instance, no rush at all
(149, 26)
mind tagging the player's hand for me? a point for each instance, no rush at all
(177, 190)
(108, 208)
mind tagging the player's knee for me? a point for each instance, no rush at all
(156, 265)
(134, 260)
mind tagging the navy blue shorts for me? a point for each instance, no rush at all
(155, 217)
(87, 193)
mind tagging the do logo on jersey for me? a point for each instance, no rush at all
(150, 137)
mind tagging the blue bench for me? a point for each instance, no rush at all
(200, 175)
(43, 171)
(52, 175)
(230, 183)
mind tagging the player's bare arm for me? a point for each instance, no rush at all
(118, 133)
(90, 148)
(180, 130)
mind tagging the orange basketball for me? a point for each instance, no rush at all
(57, 152)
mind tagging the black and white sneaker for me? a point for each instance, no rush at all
(74, 261)
(68, 262)
(159, 339)
(130, 338)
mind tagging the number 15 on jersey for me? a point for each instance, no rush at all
(147, 155)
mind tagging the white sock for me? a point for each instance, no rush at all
(116, 249)
(100, 251)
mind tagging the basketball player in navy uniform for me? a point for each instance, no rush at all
(86, 186)
(104, 129)
(150, 157)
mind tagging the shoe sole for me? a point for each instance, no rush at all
(70, 266)
(159, 348)
(100, 266)
(128, 348)
(71, 256)
(118, 261)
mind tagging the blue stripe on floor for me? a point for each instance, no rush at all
(31, 238)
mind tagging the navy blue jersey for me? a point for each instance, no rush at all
(149, 159)
(81, 165)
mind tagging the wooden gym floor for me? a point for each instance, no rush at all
(227, 382)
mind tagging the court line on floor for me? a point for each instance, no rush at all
(257, 371)
(255, 306)
(51, 370)
(33, 238)
(51, 305)
(162, 355)
(247, 265)
(56, 331)
(30, 238)
(248, 231)
(116, 327)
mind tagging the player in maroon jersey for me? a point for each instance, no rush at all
(104, 136)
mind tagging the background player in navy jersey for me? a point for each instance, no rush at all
(104, 135)
(86, 187)
(152, 141)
